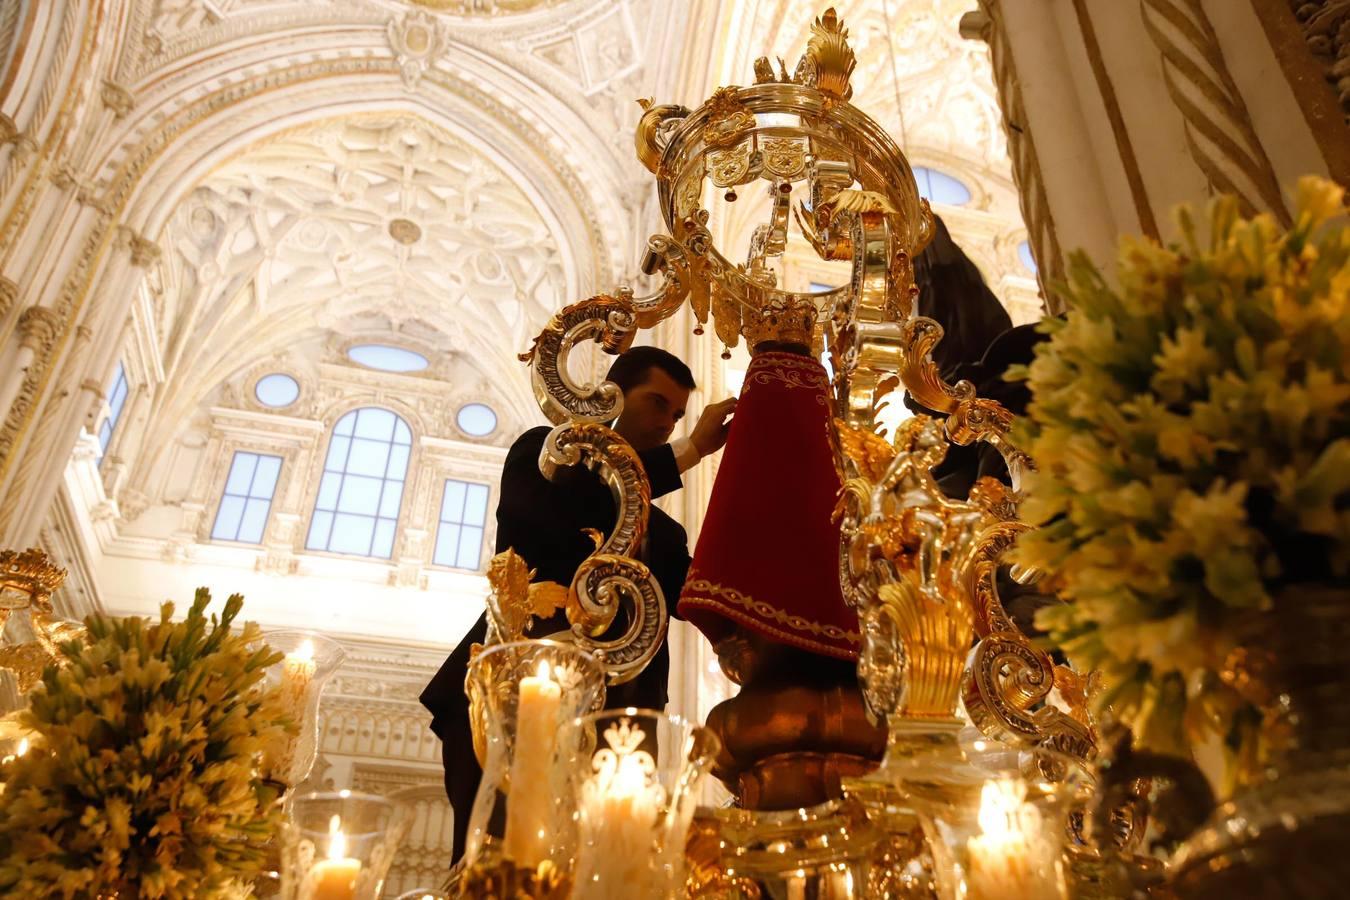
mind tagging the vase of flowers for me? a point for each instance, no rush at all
(144, 778)
(1191, 425)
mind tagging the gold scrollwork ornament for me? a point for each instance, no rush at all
(609, 321)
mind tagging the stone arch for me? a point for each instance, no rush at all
(176, 134)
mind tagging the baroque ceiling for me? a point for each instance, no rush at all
(387, 223)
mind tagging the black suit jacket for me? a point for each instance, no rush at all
(542, 520)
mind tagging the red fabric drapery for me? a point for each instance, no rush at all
(767, 556)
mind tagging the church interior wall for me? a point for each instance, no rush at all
(162, 166)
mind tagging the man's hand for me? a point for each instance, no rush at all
(713, 426)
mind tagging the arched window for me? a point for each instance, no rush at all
(117, 398)
(357, 508)
(940, 188)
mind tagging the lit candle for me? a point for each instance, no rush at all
(527, 812)
(619, 815)
(18, 751)
(297, 672)
(1012, 859)
(334, 878)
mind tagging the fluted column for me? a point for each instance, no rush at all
(1117, 112)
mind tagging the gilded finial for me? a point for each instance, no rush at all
(829, 60)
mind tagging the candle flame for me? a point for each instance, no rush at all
(1000, 808)
(629, 780)
(22, 748)
(305, 652)
(543, 671)
(337, 841)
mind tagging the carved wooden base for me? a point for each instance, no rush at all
(797, 727)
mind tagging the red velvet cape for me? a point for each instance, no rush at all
(767, 555)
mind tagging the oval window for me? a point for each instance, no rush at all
(276, 390)
(1024, 256)
(476, 419)
(386, 358)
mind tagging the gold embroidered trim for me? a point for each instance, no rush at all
(769, 611)
(792, 371)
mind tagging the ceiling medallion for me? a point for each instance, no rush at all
(405, 231)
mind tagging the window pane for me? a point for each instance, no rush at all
(939, 187)
(470, 546)
(1024, 256)
(384, 539)
(475, 507)
(368, 457)
(476, 419)
(276, 390)
(387, 358)
(241, 474)
(318, 531)
(398, 462)
(328, 491)
(389, 503)
(375, 423)
(351, 534)
(447, 545)
(247, 497)
(459, 540)
(117, 397)
(265, 477)
(254, 521)
(337, 454)
(452, 506)
(359, 494)
(363, 480)
(227, 518)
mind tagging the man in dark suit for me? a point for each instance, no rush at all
(544, 522)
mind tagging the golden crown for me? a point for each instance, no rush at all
(30, 572)
(781, 318)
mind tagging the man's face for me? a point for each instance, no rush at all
(651, 409)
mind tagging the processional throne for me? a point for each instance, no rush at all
(912, 573)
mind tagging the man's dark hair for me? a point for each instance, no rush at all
(631, 368)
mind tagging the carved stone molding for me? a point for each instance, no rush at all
(9, 295)
(1219, 131)
(38, 328)
(143, 250)
(117, 98)
(86, 192)
(987, 24)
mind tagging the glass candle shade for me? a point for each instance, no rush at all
(998, 826)
(310, 660)
(521, 833)
(636, 791)
(338, 846)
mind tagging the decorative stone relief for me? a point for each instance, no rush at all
(143, 251)
(9, 295)
(418, 40)
(1326, 28)
(117, 98)
(38, 328)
